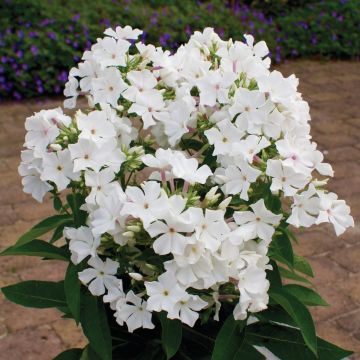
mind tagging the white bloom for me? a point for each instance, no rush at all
(223, 136)
(215, 86)
(95, 126)
(176, 121)
(107, 217)
(305, 208)
(323, 168)
(71, 92)
(115, 293)
(100, 276)
(43, 128)
(188, 170)
(30, 169)
(164, 293)
(108, 87)
(100, 183)
(248, 106)
(148, 106)
(297, 153)
(58, 168)
(210, 228)
(237, 179)
(285, 178)
(147, 203)
(256, 223)
(176, 223)
(110, 52)
(141, 82)
(185, 309)
(253, 287)
(250, 146)
(126, 33)
(132, 310)
(82, 243)
(334, 211)
(88, 154)
(279, 88)
(260, 49)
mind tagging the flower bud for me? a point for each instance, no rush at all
(134, 228)
(128, 234)
(225, 203)
(211, 194)
(55, 147)
(320, 183)
(136, 276)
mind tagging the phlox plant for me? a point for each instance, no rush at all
(174, 191)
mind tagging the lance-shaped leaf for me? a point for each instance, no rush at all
(229, 339)
(171, 335)
(72, 288)
(300, 314)
(288, 343)
(43, 227)
(305, 295)
(36, 294)
(71, 354)
(38, 248)
(95, 326)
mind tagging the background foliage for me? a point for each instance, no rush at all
(41, 40)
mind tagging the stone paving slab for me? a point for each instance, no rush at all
(332, 89)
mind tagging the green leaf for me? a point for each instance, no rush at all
(281, 249)
(171, 335)
(229, 339)
(57, 203)
(275, 314)
(287, 343)
(89, 354)
(71, 354)
(305, 295)
(75, 201)
(248, 352)
(95, 326)
(58, 232)
(274, 276)
(72, 288)
(38, 248)
(36, 294)
(43, 227)
(302, 265)
(292, 275)
(300, 314)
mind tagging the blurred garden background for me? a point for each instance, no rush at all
(319, 41)
(40, 40)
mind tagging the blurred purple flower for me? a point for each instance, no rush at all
(34, 50)
(76, 17)
(17, 95)
(51, 35)
(164, 39)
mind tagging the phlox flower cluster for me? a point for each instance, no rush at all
(176, 159)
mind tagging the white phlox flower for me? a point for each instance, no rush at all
(100, 276)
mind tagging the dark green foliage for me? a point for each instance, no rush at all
(41, 44)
